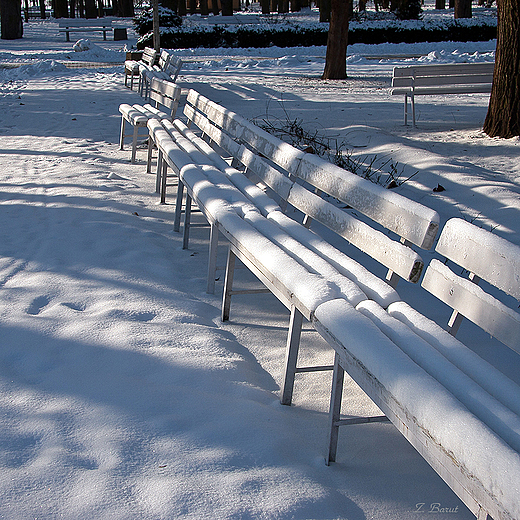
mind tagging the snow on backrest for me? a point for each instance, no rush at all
(407, 218)
(489, 256)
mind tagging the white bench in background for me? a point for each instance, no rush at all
(84, 25)
(133, 68)
(453, 78)
(164, 94)
(457, 410)
(167, 69)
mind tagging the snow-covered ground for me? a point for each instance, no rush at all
(122, 394)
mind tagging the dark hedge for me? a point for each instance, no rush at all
(253, 36)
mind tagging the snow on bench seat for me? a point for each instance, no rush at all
(472, 458)
(488, 394)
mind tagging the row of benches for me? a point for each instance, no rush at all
(152, 64)
(268, 199)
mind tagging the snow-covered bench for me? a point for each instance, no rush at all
(457, 410)
(167, 69)
(164, 94)
(133, 68)
(83, 25)
(453, 78)
(290, 177)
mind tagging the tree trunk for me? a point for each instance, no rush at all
(60, 9)
(266, 9)
(204, 7)
(11, 19)
(336, 56)
(503, 116)
(325, 10)
(156, 32)
(42, 10)
(440, 4)
(462, 9)
(90, 9)
(227, 7)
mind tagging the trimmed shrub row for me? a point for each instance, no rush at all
(294, 36)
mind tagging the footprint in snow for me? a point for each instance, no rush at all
(37, 305)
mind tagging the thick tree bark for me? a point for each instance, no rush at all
(462, 9)
(337, 40)
(156, 32)
(227, 7)
(61, 9)
(123, 8)
(503, 116)
(90, 9)
(11, 19)
(325, 10)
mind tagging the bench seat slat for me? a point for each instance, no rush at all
(486, 375)
(498, 417)
(426, 413)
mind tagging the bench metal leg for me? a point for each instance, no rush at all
(228, 285)
(163, 173)
(405, 109)
(335, 420)
(335, 409)
(149, 157)
(291, 357)
(158, 176)
(134, 144)
(187, 220)
(122, 134)
(178, 207)
(212, 262)
(412, 98)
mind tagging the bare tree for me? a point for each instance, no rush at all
(462, 9)
(503, 116)
(337, 39)
(11, 19)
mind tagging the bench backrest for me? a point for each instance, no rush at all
(486, 257)
(165, 93)
(164, 58)
(173, 67)
(282, 168)
(149, 56)
(85, 22)
(445, 74)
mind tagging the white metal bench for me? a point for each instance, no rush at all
(133, 68)
(163, 94)
(285, 177)
(84, 25)
(458, 411)
(168, 69)
(453, 78)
